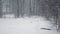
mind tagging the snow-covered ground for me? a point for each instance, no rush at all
(26, 25)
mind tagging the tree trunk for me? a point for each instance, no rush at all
(0, 8)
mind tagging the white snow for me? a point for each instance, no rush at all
(25, 25)
(8, 16)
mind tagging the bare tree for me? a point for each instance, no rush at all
(0, 8)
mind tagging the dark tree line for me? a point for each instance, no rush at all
(25, 7)
(31, 7)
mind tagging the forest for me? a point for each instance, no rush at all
(22, 8)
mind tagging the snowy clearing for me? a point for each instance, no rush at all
(25, 26)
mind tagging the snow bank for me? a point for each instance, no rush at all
(26, 25)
